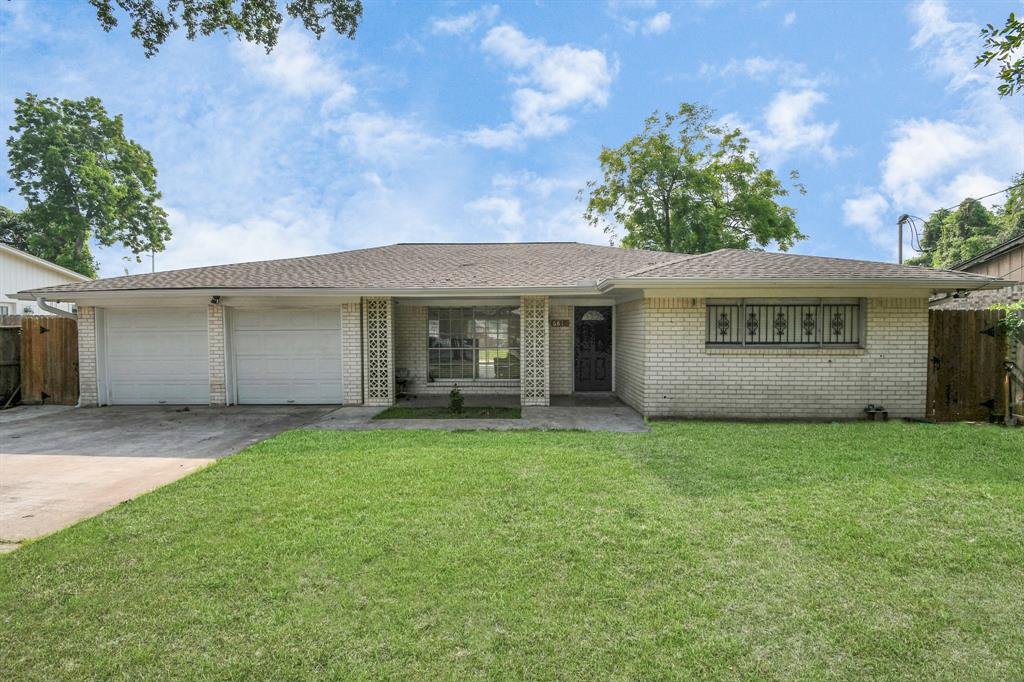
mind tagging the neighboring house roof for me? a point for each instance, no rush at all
(995, 251)
(545, 265)
(35, 260)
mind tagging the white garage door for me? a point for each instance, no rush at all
(287, 356)
(156, 356)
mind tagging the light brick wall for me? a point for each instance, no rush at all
(560, 351)
(88, 387)
(217, 357)
(630, 353)
(411, 344)
(685, 379)
(351, 355)
(981, 300)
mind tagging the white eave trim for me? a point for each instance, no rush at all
(41, 262)
(72, 296)
(853, 282)
(603, 288)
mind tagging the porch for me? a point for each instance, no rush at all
(580, 412)
(525, 350)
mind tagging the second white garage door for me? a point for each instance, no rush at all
(286, 356)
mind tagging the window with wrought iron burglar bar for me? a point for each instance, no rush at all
(803, 322)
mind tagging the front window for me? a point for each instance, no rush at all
(760, 322)
(473, 343)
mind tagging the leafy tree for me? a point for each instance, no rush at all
(14, 229)
(1013, 323)
(1006, 47)
(950, 237)
(256, 21)
(685, 184)
(1011, 213)
(81, 178)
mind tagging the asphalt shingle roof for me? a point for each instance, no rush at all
(737, 264)
(408, 266)
(497, 266)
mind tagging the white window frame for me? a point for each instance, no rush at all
(476, 379)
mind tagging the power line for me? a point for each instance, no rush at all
(1019, 184)
(915, 238)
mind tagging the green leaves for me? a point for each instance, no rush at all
(1013, 323)
(256, 21)
(1005, 46)
(81, 178)
(950, 237)
(688, 185)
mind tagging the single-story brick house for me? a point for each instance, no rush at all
(728, 334)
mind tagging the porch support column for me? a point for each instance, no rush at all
(215, 339)
(379, 351)
(351, 354)
(534, 385)
(88, 382)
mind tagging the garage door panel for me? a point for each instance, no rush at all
(168, 344)
(287, 356)
(156, 356)
(155, 320)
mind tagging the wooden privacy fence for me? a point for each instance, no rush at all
(49, 360)
(10, 358)
(967, 367)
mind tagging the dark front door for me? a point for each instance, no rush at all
(593, 348)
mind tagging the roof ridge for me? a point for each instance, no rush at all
(483, 243)
(648, 268)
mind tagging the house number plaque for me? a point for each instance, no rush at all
(559, 323)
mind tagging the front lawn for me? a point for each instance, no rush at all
(699, 550)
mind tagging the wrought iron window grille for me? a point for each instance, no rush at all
(813, 323)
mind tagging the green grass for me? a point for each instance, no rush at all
(753, 551)
(400, 412)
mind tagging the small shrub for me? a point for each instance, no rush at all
(455, 400)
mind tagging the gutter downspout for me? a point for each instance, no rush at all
(43, 305)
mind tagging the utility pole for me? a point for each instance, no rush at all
(899, 223)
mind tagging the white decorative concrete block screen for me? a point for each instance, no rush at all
(534, 320)
(380, 374)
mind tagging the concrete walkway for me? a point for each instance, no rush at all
(580, 413)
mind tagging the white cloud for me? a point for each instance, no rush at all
(950, 47)
(868, 212)
(922, 150)
(551, 81)
(465, 23)
(789, 19)
(297, 68)
(659, 23)
(286, 229)
(789, 126)
(503, 210)
(384, 139)
(503, 137)
(932, 163)
(786, 73)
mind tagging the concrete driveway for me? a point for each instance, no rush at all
(58, 466)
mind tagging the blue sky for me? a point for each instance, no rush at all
(479, 122)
